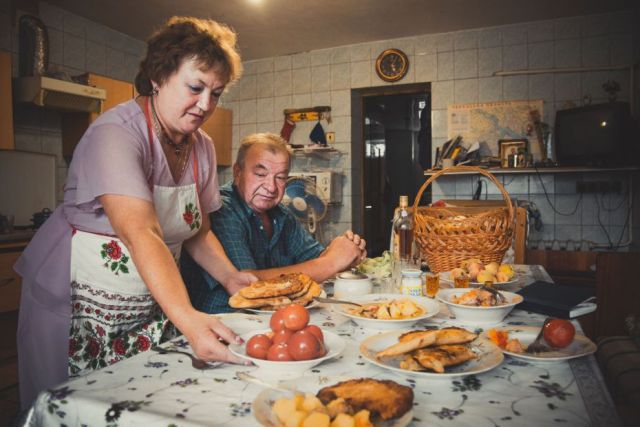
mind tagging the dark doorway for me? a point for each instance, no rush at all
(390, 152)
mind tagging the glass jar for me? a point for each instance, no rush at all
(411, 282)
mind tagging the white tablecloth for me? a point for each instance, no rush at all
(152, 389)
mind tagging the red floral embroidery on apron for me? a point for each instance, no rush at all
(191, 216)
(113, 257)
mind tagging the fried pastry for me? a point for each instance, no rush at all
(314, 291)
(415, 340)
(384, 398)
(238, 301)
(285, 284)
(440, 357)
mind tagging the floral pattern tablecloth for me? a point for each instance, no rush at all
(153, 389)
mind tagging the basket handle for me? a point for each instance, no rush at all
(474, 169)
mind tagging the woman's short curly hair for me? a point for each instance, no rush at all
(182, 38)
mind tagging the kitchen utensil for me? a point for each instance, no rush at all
(246, 376)
(352, 283)
(478, 315)
(536, 346)
(335, 301)
(195, 362)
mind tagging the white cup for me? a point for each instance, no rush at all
(349, 284)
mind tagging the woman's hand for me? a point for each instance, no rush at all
(204, 334)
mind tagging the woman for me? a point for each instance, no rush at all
(140, 186)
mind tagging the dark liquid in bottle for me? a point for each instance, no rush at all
(405, 238)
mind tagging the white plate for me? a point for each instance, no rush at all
(489, 356)
(262, 404)
(475, 315)
(242, 323)
(581, 346)
(430, 305)
(445, 276)
(333, 343)
(312, 304)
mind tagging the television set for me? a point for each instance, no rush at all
(595, 135)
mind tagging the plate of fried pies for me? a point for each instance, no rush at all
(341, 401)
(266, 296)
(432, 353)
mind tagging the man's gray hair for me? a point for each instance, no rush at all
(270, 141)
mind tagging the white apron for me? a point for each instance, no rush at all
(114, 315)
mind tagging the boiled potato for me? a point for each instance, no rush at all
(361, 419)
(343, 420)
(312, 403)
(337, 406)
(316, 419)
(283, 408)
(295, 419)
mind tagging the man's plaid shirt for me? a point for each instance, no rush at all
(241, 233)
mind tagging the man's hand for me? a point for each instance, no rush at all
(342, 253)
(239, 280)
(360, 243)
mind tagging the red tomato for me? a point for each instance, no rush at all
(258, 346)
(559, 333)
(315, 330)
(279, 353)
(277, 320)
(295, 316)
(282, 336)
(304, 346)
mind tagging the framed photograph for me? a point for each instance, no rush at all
(513, 152)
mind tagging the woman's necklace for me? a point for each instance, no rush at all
(182, 155)
(162, 135)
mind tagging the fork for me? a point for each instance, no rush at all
(536, 346)
(335, 301)
(495, 293)
(195, 362)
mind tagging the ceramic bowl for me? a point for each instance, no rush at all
(430, 305)
(474, 315)
(348, 284)
(333, 343)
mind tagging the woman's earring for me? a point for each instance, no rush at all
(154, 91)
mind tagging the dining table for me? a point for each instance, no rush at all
(164, 389)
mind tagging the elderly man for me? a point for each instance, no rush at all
(258, 233)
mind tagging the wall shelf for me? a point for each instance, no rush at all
(553, 170)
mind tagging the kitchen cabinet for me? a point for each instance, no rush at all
(6, 103)
(75, 124)
(218, 127)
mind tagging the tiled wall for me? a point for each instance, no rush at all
(459, 65)
(75, 46)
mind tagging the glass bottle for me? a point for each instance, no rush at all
(403, 228)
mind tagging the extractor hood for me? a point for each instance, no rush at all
(58, 94)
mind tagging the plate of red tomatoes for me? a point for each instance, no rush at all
(291, 345)
(560, 337)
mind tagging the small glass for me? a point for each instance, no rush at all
(462, 281)
(431, 284)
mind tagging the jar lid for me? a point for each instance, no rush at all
(411, 272)
(353, 274)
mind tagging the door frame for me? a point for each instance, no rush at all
(357, 141)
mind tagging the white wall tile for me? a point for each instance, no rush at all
(595, 25)
(250, 68)
(465, 64)
(425, 45)
(445, 66)
(340, 76)
(280, 103)
(264, 85)
(301, 80)
(74, 24)
(444, 42)
(567, 28)
(595, 51)
(490, 37)
(323, 98)
(567, 86)
(465, 40)
(52, 16)
(320, 57)
(56, 47)
(568, 209)
(540, 31)
(489, 61)
(341, 55)
(439, 123)
(264, 65)
(514, 35)
(361, 73)
(264, 112)
(321, 78)
(282, 82)
(514, 57)
(301, 60)
(466, 91)
(301, 100)
(541, 55)
(515, 87)
(247, 112)
(115, 63)
(490, 89)
(360, 52)
(567, 53)
(541, 86)
(441, 94)
(341, 103)
(281, 63)
(426, 67)
(96, 57)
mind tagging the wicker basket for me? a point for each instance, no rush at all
(447, 236)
